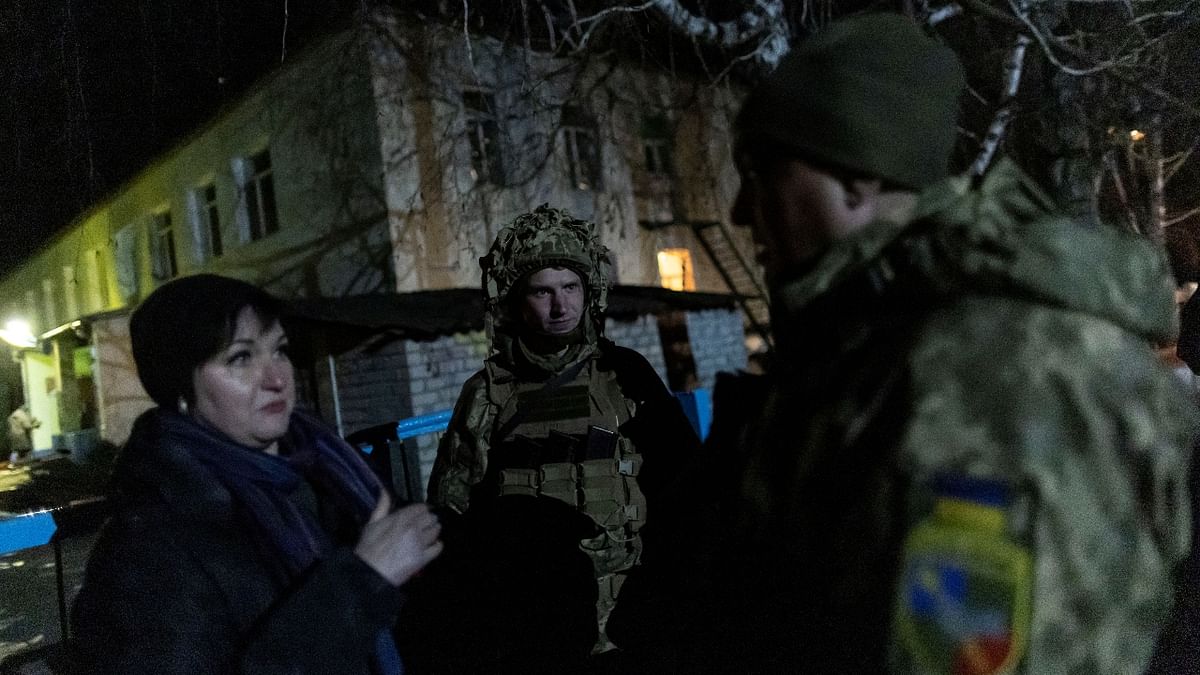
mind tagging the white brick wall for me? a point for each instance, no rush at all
(640, 335)
(437, 370)
(718, 343)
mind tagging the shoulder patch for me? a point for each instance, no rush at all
(964, 596)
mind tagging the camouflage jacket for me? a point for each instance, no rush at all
(986, 340)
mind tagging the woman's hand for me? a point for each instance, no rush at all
(398, 545)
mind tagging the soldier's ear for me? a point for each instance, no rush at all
(861, 192)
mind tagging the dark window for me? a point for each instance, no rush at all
(260, 197)
(582, 147)
(656, 146)
(212, 219)
(483, 134)
(162, 239)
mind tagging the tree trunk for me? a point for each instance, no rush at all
(1075, 173)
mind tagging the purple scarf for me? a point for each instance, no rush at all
(261, 485)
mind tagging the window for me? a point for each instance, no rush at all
(126, 257)
(163, 264)
(656, 146)
(208, 219)
(31, 311)
(675, 269)
(50, 310)
(70, 294)
(259, 189)
(582, 147)
(95, 286)
(483, 135)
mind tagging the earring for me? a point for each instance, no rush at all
(182, 404)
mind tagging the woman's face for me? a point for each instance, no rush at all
(247, 391)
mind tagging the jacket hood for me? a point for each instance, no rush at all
(1003, 237)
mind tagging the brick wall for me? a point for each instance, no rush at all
(437, 371)
(718, 343)
(640, 335)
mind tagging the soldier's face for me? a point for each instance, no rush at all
(794, 210)
(553, 301)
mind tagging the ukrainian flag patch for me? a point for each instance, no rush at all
(964, 595)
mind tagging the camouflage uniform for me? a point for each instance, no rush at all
(987, 341)
(507, 438)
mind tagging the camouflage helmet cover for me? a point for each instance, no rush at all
(544, 237)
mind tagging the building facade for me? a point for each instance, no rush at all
(383, 160)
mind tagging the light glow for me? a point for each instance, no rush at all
(18, 333)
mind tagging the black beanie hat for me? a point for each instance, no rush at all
(872, 94)
(184, 323)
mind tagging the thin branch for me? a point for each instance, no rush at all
(1122, 194)
(283, 37)
(595, 19)
(1014, 66)
(943, 13)
(1178, 160)
(1181, 217)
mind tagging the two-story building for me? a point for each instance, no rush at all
(370, 172)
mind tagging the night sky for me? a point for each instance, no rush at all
(96, 89)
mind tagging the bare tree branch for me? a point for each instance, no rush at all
(764, 23)
(1014, 65)
(1173, 220)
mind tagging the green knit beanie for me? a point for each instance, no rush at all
(871, 94)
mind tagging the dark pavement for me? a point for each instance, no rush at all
(29, 613)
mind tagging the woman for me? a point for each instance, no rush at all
(246, 536)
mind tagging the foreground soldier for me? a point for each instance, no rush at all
(969, 460)
(558, 412)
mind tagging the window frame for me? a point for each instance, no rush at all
(162, 230)
(658, 147)
(687, 269)
(261, 208)
(580, 134)
(482, 129)
(208, 213)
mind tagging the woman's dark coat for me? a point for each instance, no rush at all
(177, 583)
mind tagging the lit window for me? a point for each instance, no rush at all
(675, 269)
(582, 147)
(483, 135)
(260, 197)
(162, 248)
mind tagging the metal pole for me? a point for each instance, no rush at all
(337, 401)
(64, 625)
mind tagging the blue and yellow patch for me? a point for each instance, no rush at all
(963, 603)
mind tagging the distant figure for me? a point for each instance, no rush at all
(560, 414)
(969, 459)
(20, 435)
(247, 537)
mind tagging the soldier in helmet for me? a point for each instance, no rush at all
(969, 460)
(558, 413)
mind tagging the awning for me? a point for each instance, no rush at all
(334, 325)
